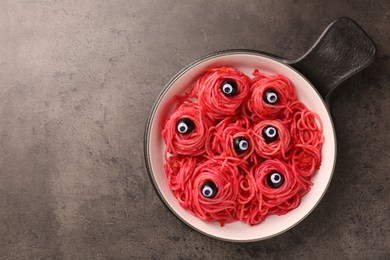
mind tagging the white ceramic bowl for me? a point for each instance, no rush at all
(245, 61)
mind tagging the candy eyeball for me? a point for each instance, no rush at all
(270, 134)
(185, 126)
(270, 96)
(229, 88)
(241, 145)
(275, 179)
(209, 190)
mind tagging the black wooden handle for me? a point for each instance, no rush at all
(342, 50)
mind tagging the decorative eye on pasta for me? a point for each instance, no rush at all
(241, 145)
(209, 190)
(185, 126)
(221, 92)
(185, 131)
(272, 139)
(229, 88)
(275, 179)
(270, 134)
(270, 96)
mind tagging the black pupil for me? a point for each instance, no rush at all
(229, 88)
(275, 180)
(270, 134)
(185, 125)
(270, 96)
(209, 190)
(240, 144)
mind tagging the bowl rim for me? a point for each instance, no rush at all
(167, 87)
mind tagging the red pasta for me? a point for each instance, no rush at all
(192, 143)
(269, 96)
(230, 138)
(277, 189)
(221, 92)
(246, 196)
(177, 168)
(272, 139)
(305, 129)
(305, 160)
(239, 149)
(197, 190)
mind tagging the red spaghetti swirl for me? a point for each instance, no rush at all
(306, 128)
(271, 200)
(274, 149)
(247, 193)
(292, 108)
(306, 159)
(189, 144)
(211, 98)
(225, 177)
(179, 169)
(224, 138)
(260, 85)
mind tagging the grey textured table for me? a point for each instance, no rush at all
(77, 81)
